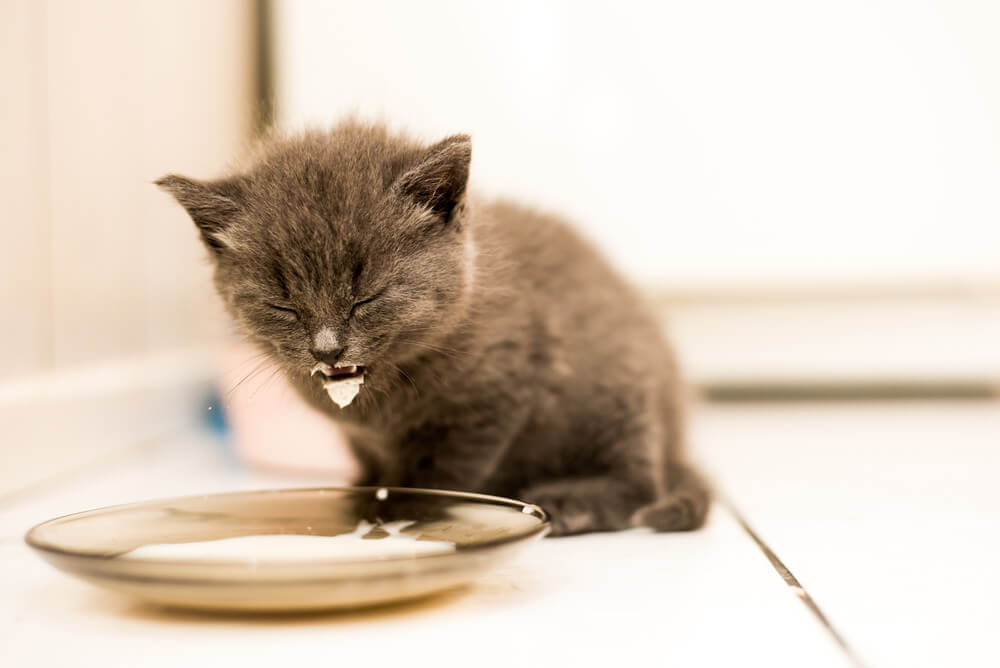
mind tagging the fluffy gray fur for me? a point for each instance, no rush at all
(503, 355)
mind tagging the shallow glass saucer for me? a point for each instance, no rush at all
(294, 549)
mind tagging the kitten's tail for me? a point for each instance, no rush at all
(684, 505)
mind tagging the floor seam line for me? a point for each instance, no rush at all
(798, 590)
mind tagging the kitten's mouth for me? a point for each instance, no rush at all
(342, 383)
(328, 372)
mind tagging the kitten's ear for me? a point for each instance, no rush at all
(209, 205)
(439, 180)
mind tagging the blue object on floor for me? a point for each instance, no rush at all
(215, 415)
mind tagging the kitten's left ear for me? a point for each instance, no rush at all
(439, 180)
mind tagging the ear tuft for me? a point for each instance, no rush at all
(210, 210)
(439, 180)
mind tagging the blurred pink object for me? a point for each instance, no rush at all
(272, 427)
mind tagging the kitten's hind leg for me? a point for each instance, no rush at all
(683, 507)
(600, 503)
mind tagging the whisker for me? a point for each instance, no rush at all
(454, 353)
(270, 378)
(371, 401)
(405, 375)
(233, 366)
(256, 371)
(438, 346)
(244, 379)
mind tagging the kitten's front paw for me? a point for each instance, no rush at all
(568, 514)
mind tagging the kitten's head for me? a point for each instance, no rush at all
(346, 248)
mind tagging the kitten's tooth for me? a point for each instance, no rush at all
(320, 368)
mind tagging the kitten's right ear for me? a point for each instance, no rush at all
(211, 210)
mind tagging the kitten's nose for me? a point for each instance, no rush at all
(326, 347)
(330, 356)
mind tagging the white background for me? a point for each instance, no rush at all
(775, 142)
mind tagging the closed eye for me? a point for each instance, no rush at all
(362, 302)
(284, 309)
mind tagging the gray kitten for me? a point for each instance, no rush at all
(500, 353)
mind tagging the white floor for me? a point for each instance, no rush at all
(887, 515)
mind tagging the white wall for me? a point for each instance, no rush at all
(100, 98)
(699, 142)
